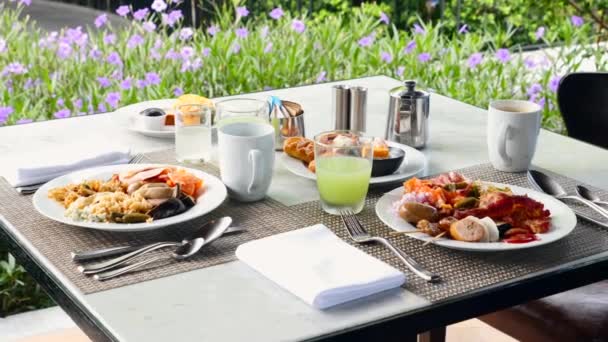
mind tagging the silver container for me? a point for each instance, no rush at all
(287, 118)
(340, 106)
(358, 109)
(408, 116)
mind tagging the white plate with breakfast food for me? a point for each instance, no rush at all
(452, 211)
(155, 118)
(393, 162)
(131, 197)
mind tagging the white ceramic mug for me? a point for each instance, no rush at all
(513, 127)
(246, 154)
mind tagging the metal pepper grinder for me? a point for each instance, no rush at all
(408, 116)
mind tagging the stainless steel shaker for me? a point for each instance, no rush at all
(408, 116)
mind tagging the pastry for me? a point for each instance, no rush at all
(300, 148)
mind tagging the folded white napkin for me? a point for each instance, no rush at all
(318, 267)
(47, 167)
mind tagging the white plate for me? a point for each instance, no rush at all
(213, 194)
(563, 222)
(413, 163)
(127, 117)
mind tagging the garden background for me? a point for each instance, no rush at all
(470, 50)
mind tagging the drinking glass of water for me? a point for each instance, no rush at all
(193, 124)
(241, 110)
(343, 167)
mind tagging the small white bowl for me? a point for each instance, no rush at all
(153, 123)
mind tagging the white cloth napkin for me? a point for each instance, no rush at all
(47, 168)
(318, 267)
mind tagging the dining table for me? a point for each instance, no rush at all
(231, 302)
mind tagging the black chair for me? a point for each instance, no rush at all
(583, 101)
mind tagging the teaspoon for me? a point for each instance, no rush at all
(589, 195)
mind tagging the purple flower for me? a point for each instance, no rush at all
(418, 29)
(463, 29)
(149, 26)
(101, 20)
(576, 21)
(113, 99)
(152, 78)
(140, 14)
(172, 18)
(409, 47)
(474, 60)
(104, 82)
(64, 50)
(114, 59)
(172, 55)
(101, 107)
(5, 112)
(187, 52)
(322, 77)
(205, 52)
(384, 18)
(268, 47)
(140, 84)
(196, 64)
(503, 55)
(213, 30)
(264, 31)
(75, 35)
(2, 45)
(540, 32)
(242, 32)
(276, 13)
(366, 41)
(534, 89)
(236, 48)
(14, 68)
(529, 62)
(424, 57)
(386, 56)
(554, 83)
(25, 2)
(159, 5)
(400, 71)
(24, 121)
(123, 10)
(77, 103)
(109, 39)
(177, 91)
(125, 84)
(242, 11)
(62, 113)
(135, 41)
(95, 53)
(185, 33)
(298, 25)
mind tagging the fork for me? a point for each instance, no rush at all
(358, 233)
(30, 189)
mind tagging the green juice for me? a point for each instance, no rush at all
(343, 181)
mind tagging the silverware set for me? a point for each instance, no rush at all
(183, 250)
(583, 195)
(32, 188)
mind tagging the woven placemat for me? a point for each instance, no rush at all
(55, 240)
(466, 271)
(461, 271)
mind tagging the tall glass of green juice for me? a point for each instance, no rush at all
(343, 167)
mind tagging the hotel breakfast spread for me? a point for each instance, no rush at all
(133, 196)
(452, 206)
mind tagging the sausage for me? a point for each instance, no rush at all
(413, 212)
(467, 230)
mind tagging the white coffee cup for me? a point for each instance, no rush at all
(513, 127)
(246, 155)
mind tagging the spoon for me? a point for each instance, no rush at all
(187, 250)
(589, 195)
(212, 227)
(549, 186)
